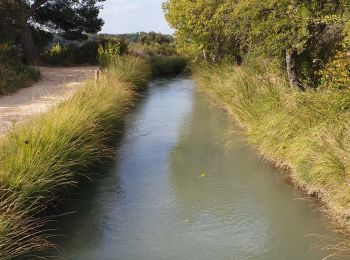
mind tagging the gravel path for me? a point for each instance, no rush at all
(56, 84)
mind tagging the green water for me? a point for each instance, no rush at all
(178, 190)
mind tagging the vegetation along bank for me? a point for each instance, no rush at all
(13, 74)
(49, 155)
(41, 160)
(282, 69)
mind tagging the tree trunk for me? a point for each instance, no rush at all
(291, 70)
(31, 53)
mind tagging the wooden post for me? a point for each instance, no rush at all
(97, 75)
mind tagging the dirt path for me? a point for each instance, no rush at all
(56, 84)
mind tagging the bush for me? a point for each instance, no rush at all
(336, 74)
(83, 53)
(56, 55)
(71, 54)
(155, 49)
(13, 74)
(107, 53)
(168, 65)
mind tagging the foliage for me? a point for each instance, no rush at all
(203, 27)
(145, 44)
(168, 65)
(56, 50)
(297, 26)
(71, 54)
(107, 53)
(75, 19)
(143, 37)
(150, 50)
(152, 37)
(346, 41)
(44, 158)
(279, 25)
(13, 74)
(305, 33)
(9, 29)
(336, 74)
(31, 23)
(63, 52)
(114, 39)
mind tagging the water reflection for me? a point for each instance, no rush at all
(231, 199)
(85, 217)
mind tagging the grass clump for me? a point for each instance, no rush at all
(44, 158)
(307, 133)
(130, 69)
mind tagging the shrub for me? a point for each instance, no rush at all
(168, 65)
(155, 49)
(56, 55)
(13, 74)
(336, 74)
(107, 53)
(71, 54)
(89, 52)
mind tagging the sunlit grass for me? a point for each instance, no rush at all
(130, 69)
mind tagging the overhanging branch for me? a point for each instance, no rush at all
(33, 8)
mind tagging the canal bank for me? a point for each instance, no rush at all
(178, 190)
(42, 160)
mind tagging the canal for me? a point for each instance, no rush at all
(185, 185)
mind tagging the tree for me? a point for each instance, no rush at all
(306, 34)
(9, 28)
(155, 38)
(203, 27)
(297, 29)
(75, 19)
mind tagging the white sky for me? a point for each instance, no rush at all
(128, 16)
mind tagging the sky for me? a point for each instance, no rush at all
(128, 16)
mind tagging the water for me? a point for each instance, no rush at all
(178, 191)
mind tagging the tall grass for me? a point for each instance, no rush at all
(307, 133)
(130, 69)
(41, 160)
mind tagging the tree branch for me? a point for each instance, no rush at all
(33, 8)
